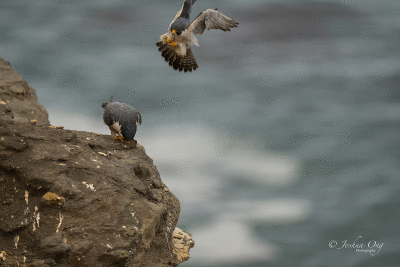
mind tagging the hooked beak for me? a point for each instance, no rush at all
(173, 31)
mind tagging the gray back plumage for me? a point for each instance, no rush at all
(126, 116)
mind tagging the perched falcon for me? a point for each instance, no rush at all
(121, 119)
(175, 44)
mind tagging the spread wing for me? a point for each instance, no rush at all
(211, 19)
(178, 14)
(180, 11)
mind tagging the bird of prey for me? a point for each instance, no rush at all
(175, 44)
(121, 119)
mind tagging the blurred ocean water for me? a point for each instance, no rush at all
(283, 142)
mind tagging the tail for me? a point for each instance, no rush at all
(185, 63)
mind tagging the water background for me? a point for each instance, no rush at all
(285, 138)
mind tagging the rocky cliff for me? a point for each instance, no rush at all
(70, 198)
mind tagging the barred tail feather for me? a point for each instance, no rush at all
(189, 62)
(185, 63)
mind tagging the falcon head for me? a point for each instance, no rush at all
(179, 32)
(104, 105)
(112, 99)
(179, 26)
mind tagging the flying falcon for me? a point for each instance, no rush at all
(175, 44)
(121, 119)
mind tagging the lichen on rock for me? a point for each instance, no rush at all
(53, 198)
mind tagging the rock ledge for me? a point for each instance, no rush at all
(71, 198)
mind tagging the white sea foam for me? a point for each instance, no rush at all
(228, 240)
(196, 162)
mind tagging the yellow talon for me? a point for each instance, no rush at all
(171, 43)
(120, 137)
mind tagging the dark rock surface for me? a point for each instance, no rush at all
(70, 198)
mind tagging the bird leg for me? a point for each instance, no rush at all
(172, 43)
(120, 137)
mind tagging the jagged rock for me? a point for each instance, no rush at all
(182, 243)
(71, 198)
(17, 99)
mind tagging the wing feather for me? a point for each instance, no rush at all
(211, 19)
(180, 11)
(182, 63)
